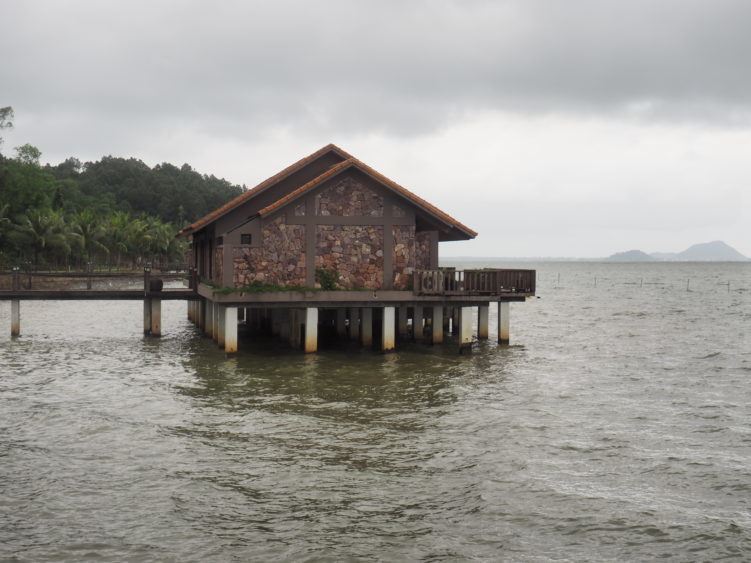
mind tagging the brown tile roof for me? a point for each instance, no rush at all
(267, 183)
(349, 162)
(378, 177)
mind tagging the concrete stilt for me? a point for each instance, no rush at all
(388, 342)
(402, 326)
(341, 322)
(147, 316)
(215, 318)
(276, 322)
(221, 311)
(354, 324)
(465, 328)
(285, 327)
(417, 320)
(294, 331)
(366, 326)
(156, 317)
(15, 317)
(311, 330)
(438, 325)
(483, 322)
(446, 319)
(209, 326)
(455, 320)
(230, 329)
(504, 313)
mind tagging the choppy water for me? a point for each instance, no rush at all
(616, 426)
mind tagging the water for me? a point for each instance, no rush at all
(616, 426)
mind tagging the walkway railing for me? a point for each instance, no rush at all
(449, 281)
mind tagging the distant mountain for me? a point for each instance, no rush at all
(715, 251)
(630, 256)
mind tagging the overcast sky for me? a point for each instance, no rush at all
(554, 128)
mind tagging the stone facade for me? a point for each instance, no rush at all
(404, 256)
(280, 260)
(348, 197)
(353, 252)
(422, 250)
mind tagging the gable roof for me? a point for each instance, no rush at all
(348, 163)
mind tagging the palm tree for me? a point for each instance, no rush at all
(43, 231)
(89, 232)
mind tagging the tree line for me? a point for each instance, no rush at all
(115, 212)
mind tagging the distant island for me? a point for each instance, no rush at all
(715, 251)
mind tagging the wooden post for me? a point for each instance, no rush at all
(156, 317)
(504, 313)
(483, 322)
(229, 316)
(465, 329)
(388, 341)
(354, 324)
(417, 323)
(220, 325)
(438, 324)
(15, 317)
(311, 330)
(366, 326)
(402, 323)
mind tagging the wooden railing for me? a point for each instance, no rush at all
(449, 281)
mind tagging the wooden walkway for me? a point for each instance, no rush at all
(97, 294)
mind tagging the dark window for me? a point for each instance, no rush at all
(246, 239)
(219, 241)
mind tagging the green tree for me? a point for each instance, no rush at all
(43, 232)
(6, 120)
(28, 154)
(88, 231)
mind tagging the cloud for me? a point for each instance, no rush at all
(399, 68)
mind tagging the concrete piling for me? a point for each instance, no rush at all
(229, 316)
(438, 324)
(15, 317)
(483, 322)
(417, 323)
(503, 322)
(221, 325)
(156, 317)
(354, 324)
(147, 316)
(402, 325)
(388, 342)
(311, 329)
(366, 326)
(465, 328)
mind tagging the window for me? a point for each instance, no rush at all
(246, 239)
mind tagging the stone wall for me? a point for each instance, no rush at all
(422, 250)
(353, 252)
(349, 197)
(280, 260)
(404, 256)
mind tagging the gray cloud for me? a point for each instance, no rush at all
(394, 67)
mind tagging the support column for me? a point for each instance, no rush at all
(483, 322)
(417, 326)
(311, 330)
(402, 322)
(446, 318)
(147, 316)
(276, 322)
(221, 311)
(354, 324)
(285, 326)
(156, 317)
(15, 317)
(341, 322)
(455, 319)
(201, 310)
(438, 324)
(388, 341)
(465, 328)
(294, 331)
(366, 326)
(504, 313)
(215, 319)
(209, 325)
(230, 329)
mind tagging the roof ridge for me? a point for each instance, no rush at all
(258, 188)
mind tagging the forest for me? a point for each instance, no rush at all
(113, 213)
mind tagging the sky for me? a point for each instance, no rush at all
(554, 128)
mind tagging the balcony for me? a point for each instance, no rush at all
(490, 282)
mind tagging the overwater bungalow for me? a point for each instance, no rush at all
(331, 242)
